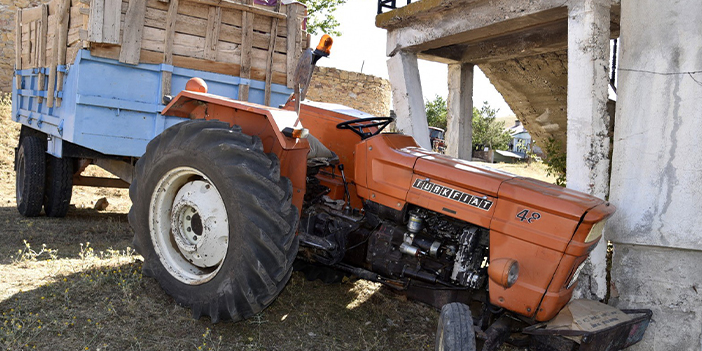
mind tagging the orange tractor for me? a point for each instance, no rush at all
(224, 203)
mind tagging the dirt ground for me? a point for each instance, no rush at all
(76, 284)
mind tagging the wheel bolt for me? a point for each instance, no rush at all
(189, 229)
(195, 237)
(187, 217)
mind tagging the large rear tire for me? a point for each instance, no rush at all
(30, 176)
(59, 186)
(213, 219)
(455, 331)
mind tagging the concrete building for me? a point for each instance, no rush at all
(550, 60)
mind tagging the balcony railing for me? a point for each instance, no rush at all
(389, 5)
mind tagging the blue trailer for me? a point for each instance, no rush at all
(114, 108)
(108, 114)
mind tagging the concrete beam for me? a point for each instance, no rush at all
(407, 97)
(550, 37)
(488, 19)
(459, 131)
(588, 144)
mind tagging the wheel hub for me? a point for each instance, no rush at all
(196, 219)
(189, 225)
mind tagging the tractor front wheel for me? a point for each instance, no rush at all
(213, 219)
(455, 331)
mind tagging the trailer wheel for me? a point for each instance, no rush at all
(213, 219)
(59, 186)
(30, 176)
(455, 331)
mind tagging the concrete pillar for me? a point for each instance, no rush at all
(459, 130)
(588, 121)
(407, 97)
(657, 171)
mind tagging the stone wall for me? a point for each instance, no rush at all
(363, 92)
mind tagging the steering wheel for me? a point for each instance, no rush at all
(357, 125)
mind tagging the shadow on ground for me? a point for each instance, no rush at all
(98, 299)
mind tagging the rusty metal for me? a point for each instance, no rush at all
(613, 338)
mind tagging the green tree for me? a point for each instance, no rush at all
(487, 131)
(555, 160)
(321, 16)
(436, 112)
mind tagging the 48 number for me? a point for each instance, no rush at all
(526, 215)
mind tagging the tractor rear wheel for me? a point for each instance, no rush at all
(455, 331)
(30, 176)
(214, 219)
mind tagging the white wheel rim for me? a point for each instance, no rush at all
(188, 225)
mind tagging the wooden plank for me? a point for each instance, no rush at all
(245, 6)
(269, 61)
(212, 35)
(42, 47)
(171, 20)
(246, 37)
(18, 48)
(63, 21)
(55, 25)
(97, 18)
(31, 14)
(295, 13)
(133, 27)
(32, 44)
(111, 25)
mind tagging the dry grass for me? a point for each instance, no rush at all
(84, 290)
(536, 170)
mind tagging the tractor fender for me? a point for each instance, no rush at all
(265, 122)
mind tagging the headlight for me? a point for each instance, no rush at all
(595, 232)
(504, 271)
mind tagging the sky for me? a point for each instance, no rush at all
(361, 48)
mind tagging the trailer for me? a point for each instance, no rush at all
(92, 77)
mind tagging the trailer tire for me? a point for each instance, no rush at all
(455, 331)
(246, 252)
(30, 176)
(59, 186)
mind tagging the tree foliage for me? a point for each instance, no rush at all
(555, 160)
(487, 131)
(321, 18)
(436, 112)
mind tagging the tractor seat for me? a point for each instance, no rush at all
(320, 155)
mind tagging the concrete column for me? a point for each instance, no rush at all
(407, 97)
(588, 121)
(459, 130)
(657, 171)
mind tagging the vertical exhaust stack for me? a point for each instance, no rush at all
(304, 70)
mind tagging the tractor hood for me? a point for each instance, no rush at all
(502, 185)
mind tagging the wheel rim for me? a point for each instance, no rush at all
(189, 226)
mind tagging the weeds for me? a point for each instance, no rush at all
(209, 342)
(27, 254)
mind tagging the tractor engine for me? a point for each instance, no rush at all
(430, 247)
(414, 244)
